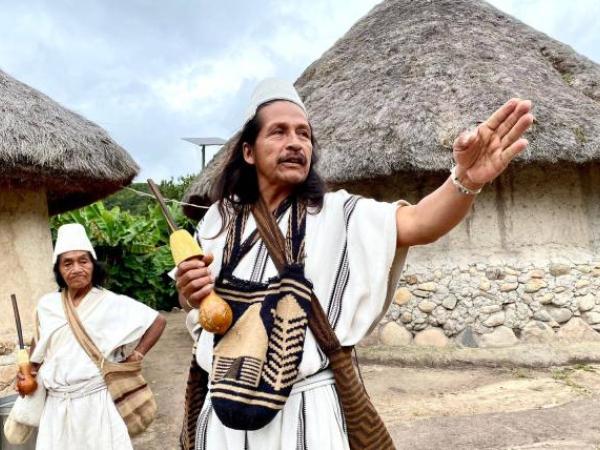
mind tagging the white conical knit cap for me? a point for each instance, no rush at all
(272, 89)
(72, 236)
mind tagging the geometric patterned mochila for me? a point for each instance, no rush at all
(364, 427)
(255, 364)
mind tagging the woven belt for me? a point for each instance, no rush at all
(319, 379)
(79, 390)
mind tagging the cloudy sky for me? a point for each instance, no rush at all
(152, 72)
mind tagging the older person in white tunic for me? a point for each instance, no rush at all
(79, 412)
(355, 249)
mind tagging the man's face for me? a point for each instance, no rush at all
(76, 269)
(283, 148)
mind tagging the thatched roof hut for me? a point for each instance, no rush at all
(387, 101)
(44, 145)
(51, 160)
(391, 95)
(406, 79)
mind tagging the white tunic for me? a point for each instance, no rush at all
(79, 412)
(354, 265)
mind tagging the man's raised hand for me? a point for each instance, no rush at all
(483, 154)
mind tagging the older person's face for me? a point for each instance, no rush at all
(76, 268)
(283, 148)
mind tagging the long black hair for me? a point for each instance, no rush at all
(98, 273)
(238, 184)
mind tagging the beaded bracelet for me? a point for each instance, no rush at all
(461, 187)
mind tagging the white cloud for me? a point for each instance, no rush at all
(296, 36)
(198, 86)
(314, 28)
(573, 22)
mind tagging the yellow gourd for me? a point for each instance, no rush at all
(215, 314)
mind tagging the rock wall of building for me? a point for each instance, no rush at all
(481, 305)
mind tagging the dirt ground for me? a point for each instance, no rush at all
(424, 408)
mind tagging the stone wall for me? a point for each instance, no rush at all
(25, 268)
(481, 305)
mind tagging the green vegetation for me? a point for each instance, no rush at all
(130, 201)
(131, 239)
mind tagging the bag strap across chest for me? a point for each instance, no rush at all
(292, 245)
(276, 246)
(79, 332)
(365, 428)
(127, 387)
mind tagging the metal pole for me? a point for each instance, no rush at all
(203, 156)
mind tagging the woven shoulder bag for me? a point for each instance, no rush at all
(366, 430)
(127, 387)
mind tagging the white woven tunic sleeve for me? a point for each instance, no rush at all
(353, 262)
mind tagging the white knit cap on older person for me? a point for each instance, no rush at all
(272, 89)
(72, 236)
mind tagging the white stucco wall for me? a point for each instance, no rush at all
(530, 213)
(25, 256)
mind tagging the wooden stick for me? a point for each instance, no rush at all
(159, 198)
(13, 299)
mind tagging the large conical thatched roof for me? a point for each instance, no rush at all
(44, 145)
(392, 94)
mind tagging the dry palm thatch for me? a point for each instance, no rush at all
(45, 146)
(392, 94)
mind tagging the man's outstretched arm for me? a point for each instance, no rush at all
(480, 157)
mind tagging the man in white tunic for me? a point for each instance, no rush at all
(79, 412)
(354, 251)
